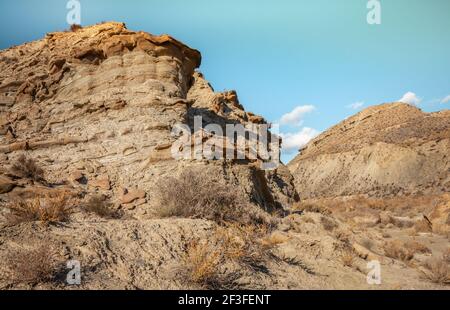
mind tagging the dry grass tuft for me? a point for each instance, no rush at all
(75, 27)
(33, 266)
(196, 194)
(395, 249)
(48, 210)
(417, 247)
(446, 256)
(100, 205)
(328, 224)
(368, 243)
(219, 261)
(437, 271)
(348, 258)
(422, 226)
(312, 207)
(27, 168)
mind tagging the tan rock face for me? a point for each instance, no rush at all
(103, 101)
(391, 149)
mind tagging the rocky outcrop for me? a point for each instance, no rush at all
(101, 102)
(386, 150)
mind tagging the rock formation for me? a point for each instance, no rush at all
(386, 150)
(99, 104)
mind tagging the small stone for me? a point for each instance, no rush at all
(132, 195)
(6, 184)
(101, 182)
(77, 176)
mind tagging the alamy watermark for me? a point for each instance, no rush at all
(374, 274)
(74, 275)
(374, 14)
(74, 15)
(254, 142)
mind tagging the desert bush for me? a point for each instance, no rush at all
(446, 256)
(328, 224)
(238, 247)
(274, 239)
(422, 226)
(308, 219)
(313, 207)
(395, 249)
(437, 271)
(48, 210)
(367, 243)
(75, 27)
(348, 258)
(416, 247)
(196, 194)
(202, 264)
(27, 168)
(100, 205)
(33, 266)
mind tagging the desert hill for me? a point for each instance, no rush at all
(386, 150)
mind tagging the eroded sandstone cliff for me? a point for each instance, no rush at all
(99, 104)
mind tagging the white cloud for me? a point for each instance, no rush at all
(292, 142)
(356, 105)
(446, 99)
(295, 116)
(410, 98)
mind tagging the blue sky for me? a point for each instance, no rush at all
(280, 55)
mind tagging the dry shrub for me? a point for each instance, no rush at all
(401, 223)
(27, 168)
(237, 247)
(367, 243)
(348, 258)
(75, 27)
(197, 194)
(33, 266)
(100, 205)
(312, 207)
(48, 210)
(446, 256)
(417, 247)
(202, 264)
(274, 239)
(395, 249)
(342, 236)
(328, 224)
(437, 271)
(308, 219)
(422, 226)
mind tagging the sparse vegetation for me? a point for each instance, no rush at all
(446, 256)
(437, 271)
(348, 258)
(367, 243)
(236, 246)
(313, 207)
(47, 209)
(75, 27)
(328, 224)
(101, 206)
(417, 247)
(32, 266)
(196, 194)
(27, 168)
(395, 249)
(422, 226)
